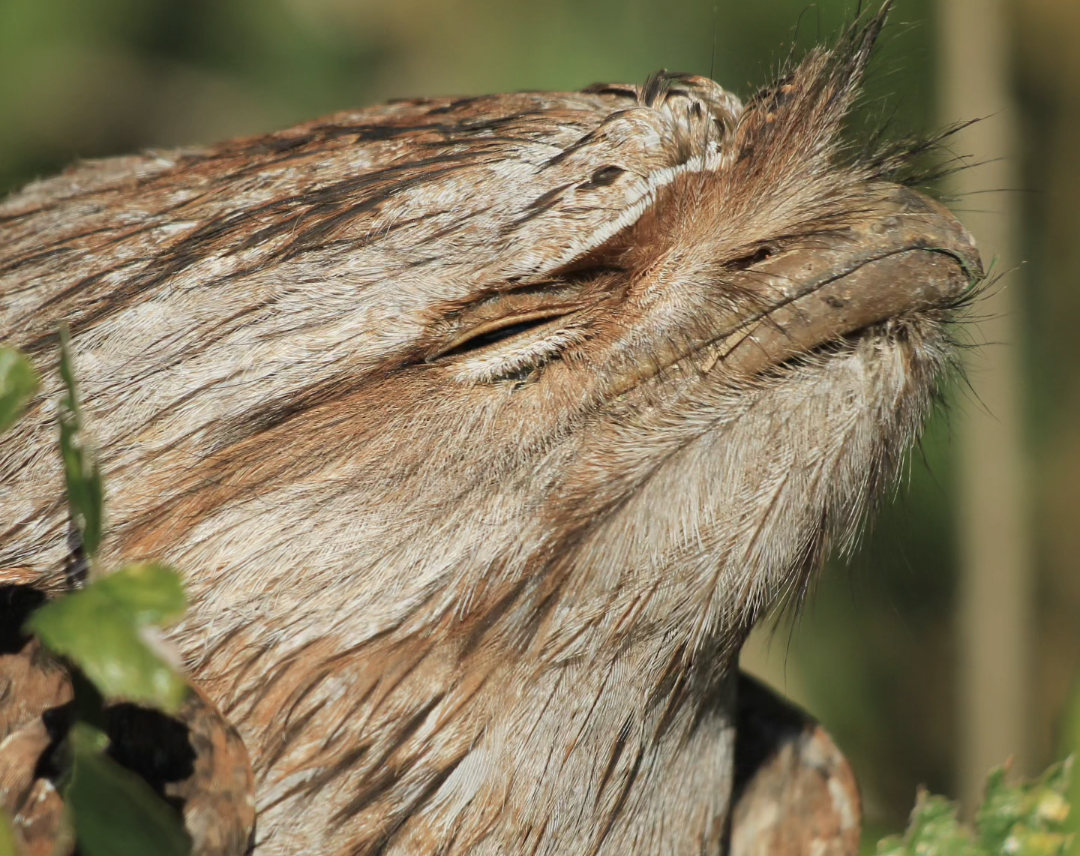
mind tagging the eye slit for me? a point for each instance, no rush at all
(497, 335)
(751, 259)
(495, 331)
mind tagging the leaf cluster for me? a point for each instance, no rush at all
(102, 631)
(1023, 819)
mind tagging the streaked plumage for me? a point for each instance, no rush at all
(457, 593)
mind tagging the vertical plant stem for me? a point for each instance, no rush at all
(996, 584)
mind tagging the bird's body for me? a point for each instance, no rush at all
(483, 431)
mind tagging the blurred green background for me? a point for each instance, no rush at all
(875, 654)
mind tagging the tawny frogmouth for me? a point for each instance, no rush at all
(483, 429)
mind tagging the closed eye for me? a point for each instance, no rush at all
(498, 330)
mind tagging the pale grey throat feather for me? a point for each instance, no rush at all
(484, 430)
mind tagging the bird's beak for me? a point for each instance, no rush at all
(905, 254)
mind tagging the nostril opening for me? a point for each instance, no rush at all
(602, 177)
(751, 259)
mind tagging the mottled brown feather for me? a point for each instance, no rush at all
(461, 593)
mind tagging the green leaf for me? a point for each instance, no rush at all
(18, 383)
(935, 830)
(84, 485)
(149, 592)
(98, 629)
(7, 837)
(115, 812)
(1025, 819)
(1070, 743)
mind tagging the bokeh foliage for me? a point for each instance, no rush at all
(1023, 819)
